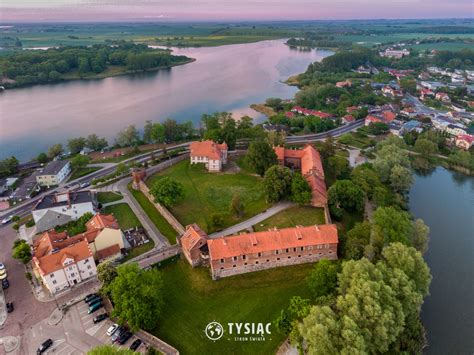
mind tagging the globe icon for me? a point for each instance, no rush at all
(214, 331)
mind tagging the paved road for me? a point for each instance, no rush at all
(323, 135)
(253, 220)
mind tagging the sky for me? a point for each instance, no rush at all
(217, 10)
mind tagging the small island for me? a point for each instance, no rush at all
(85, 62)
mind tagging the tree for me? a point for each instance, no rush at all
(75, 145)
(157, 133)
(171, 130)
(167, 191)
(147, 132)
(328, 148)
(366, 178)
(128, 136)
(8, 166)
(392, 225)
(215, 221)
(55, 150)
(106, 273)
(42, 158)
(425, 147)
(300, 190)
(95, 143)
(21, 251)
(277, 183)
(80, 161)
(419, 236)
(345, 195)
(356, 241)
(110, 350)
(237, 208)
(400, 179)
(275, 103)
(137, 296)
(389, 156)
(338, 167)
(275, 139)
(121, 169)
(323, 278)
(260, 156)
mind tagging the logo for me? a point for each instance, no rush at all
(214, 331)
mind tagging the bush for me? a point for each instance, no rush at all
(216, 221)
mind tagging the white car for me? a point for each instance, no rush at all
(3, 272)
(7, 219)
(112, 329)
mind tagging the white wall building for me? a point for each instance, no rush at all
(54, 173)
(209, 153)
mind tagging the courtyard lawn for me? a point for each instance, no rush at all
(139, 250)
(124, 215)
(158, 220)
(209, 193)
(107, 197)
(193, 299)
(80, 172)
(293, 216)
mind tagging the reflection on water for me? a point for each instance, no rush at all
(226, 78)
(445, 201)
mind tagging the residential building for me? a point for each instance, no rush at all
(54, 173)
(308, 112)
(348, 119)
(58, 209)
(63, 268)
(442, 96)
(458, 108)
(464, 141)
(391, 92)
(412, 125)
(209, 153)
(248, 252)
(343, 84)
(383, 117)
(456, 129)
(396, 128)
(308, 162)
(395, 53)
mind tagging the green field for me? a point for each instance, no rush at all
(124, 215)
(107, 197)
(292, 217)
(134, 252)
(192, 300)
(158, 220)
(208, 193)
(80, 172)
(373, 39)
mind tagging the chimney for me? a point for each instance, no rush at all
(224, 241)
(317, 228)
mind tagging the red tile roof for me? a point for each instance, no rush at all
(277, 239)
(108, 252)
(101, 221)
(53, 262)
(466, 137)
(349, 118)
(192, 236)
(207, 149)
(309, 112)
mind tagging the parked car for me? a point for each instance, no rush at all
(100, 318)
(7, 219)
(84, 184)
(44, 346)
(10, 307)
(124, 338)
(136, 344)
(90, 296)
(5, 284)
(3, 271)
(118, 333)
(94, 300)
(112, 329)
(95, 307)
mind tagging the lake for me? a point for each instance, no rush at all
(226, 78)
(445, 201)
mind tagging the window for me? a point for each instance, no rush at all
(90, 273)
(54, 282)
(234, 265)
(310, 247)
(86, 261)
(244, 257)
(299, 256)
(256, 262)
(222, 261)
(278, 258)
(287, 250)
(222, 268)
(289, 257)
(302, 248)
(259, 254)
(268, 261)
(234, 258)
(245, 263)
(88, 266)
(294, 249)
(52, 276)
(72, 274)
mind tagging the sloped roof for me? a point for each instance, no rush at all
(192, 236)
(101, 221)
(207, 149)
(108, 252)
(276, 239)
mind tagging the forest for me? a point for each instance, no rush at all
(82, 62)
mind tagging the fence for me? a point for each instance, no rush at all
(159, 344)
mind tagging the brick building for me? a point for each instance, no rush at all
(248, 252)
(308, 161)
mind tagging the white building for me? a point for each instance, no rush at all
(395, 53)
(61, 208)
(54, 173)
(209, 153)
(66, 267)
(455, 130)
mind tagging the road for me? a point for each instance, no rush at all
(323, 135)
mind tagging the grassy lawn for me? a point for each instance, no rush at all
(107, 197)
(139, 250)
(208, 193)
(291, 217)
(160, 222)
(192, 300)
(80, 172)
(124, 215)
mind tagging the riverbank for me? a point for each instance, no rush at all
(262, 108)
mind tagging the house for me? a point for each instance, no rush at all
(54, 173)
(58, 209)
(396, 128)
(432, 85)
(308, 162)
(391, 92)
(269, 127)
(458, 108)
(351, 109)
(464, 141)
(103, 235)
(343, 84)
(212, 154)
(412, 125)
(289, 114)
(442, 96)
(395, 53)
(66, 267)
(455, 129)
(248, 252)
(409, 112)
(348, 119)
(308, 112)
(383, 117)
(424, 93)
